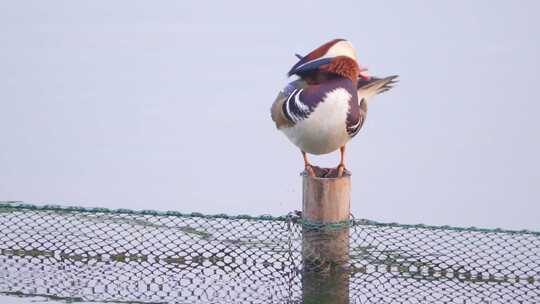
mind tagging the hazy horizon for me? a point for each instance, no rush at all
(165, 106)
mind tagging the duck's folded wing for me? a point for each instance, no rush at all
(288, 108)
(355, 122)
(277, 114)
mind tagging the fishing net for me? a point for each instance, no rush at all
(80, 254)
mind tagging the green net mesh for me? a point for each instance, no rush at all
(105, 255)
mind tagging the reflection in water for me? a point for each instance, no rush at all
(325, 273)
(112, 280)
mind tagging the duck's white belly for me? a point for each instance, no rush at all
(325, 129)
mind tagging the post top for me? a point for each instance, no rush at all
(326, 198)
(326, 173)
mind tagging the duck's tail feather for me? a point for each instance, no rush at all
(374, 86)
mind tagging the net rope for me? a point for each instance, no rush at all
(120, 255)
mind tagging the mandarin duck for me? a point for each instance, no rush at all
(327, 105)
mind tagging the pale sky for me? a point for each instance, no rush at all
(165, 105)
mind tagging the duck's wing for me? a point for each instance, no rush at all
(354, 124)
(288, 107)
(277, 114)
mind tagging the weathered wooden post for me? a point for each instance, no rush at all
(325, 239)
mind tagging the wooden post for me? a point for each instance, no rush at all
(325, 251)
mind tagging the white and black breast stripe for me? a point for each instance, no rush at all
(295, 110)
